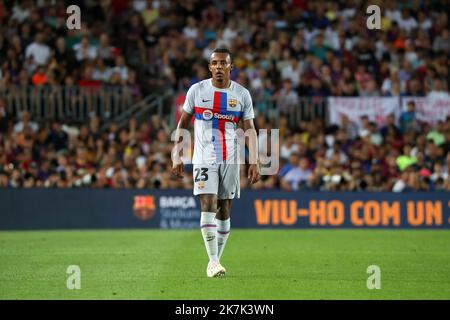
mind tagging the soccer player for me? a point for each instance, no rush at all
(218, 104)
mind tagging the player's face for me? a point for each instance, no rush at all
(220, 66)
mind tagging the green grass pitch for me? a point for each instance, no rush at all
(261, 264)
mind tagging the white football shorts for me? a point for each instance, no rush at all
(222, 179)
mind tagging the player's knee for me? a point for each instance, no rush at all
(224, 212)
(209, 208)
(209, 205)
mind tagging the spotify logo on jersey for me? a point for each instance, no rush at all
(208, 115)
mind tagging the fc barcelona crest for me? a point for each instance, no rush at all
(232, 103)
(144, 207)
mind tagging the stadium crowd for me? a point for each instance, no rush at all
(283, 50)
(410, 155)
(321, 48)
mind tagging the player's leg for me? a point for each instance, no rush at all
(223, 224)
(205, 186)
(229, 188)
(208, 225)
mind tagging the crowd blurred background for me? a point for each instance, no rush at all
(283, 50)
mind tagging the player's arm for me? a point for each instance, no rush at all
(183, 124)
(252, 141)
(252, 145)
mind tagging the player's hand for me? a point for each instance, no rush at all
(253, 173)
(178, 170)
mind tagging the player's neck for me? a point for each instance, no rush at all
(226, 83)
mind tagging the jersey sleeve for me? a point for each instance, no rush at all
(190, 100)
(248, 106)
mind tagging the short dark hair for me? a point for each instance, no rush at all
(223, 50)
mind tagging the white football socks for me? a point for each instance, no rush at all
(209, 232)
(223, 231)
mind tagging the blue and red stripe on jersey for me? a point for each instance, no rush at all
(219, 108)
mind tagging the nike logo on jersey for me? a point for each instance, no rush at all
(203, 100)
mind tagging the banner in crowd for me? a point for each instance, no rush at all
(376, 108)
(429, 109)
(29, 209)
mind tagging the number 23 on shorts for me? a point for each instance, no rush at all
(203, 174)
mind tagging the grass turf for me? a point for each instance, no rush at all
(261, 264)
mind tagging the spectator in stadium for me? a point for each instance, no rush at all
(87, 80)
(287, 99)
(297, 177)
(121, 68)
(370, 89)
(439, 90)
(101, 71)
(349, 127)
(40, 77)
(335, 152)
(442, 42)
(105, 51)
(408, 119)
(84, 50)
(38, 50)
(292, 71)
(293, 163)
(25, 123)
(390, 125)
(57, 137)
(65, 57)
(4, 118)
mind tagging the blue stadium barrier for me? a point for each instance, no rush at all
(43, 209)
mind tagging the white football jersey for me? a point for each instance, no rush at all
(217, 113)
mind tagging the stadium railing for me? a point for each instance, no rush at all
(306, 109)
(116, 103)
(152, 104)
(67, 102)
